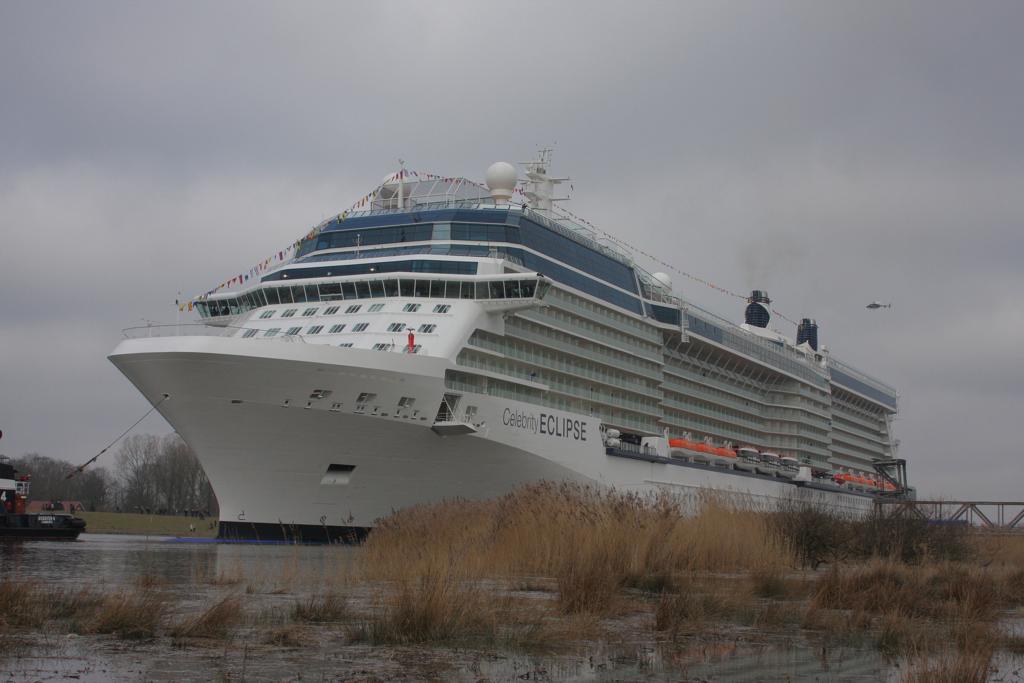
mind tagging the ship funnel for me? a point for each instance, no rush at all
(757, 314)
(807, 331)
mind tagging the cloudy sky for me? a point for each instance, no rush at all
(830, 153)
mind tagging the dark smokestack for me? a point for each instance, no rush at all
(757, 313)
(807, 331)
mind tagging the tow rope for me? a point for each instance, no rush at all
(81, 468)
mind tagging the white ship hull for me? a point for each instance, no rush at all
(247, 409)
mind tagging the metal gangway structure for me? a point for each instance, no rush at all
(983, 514)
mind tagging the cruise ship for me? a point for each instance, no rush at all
(450, 339)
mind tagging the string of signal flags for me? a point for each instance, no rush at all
(367, 200)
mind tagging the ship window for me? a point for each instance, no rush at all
(411, 308)
(391, 287)
(271, 295)
(336, 328)
(376, 289)
(496, 291)
(289, 313)
(299, 294)
(406, 287)
(382, 347)
(315, 329)
(267, 314)
(330, 290)
(442, 308)
(337, 475)
(293, 331)
(437, 289)
(308, 312)
(272, 332)
(332, 310)
(363, 290)
(396, 327)
(374, 308)
(467, 290)
(427, 329)
(512, 289)
(360, 327)
(346, 345)
(250, 333)
(415, 349)
(312, 293)
(348, 289)
(422, 288)
(353, 309)
(406, 402)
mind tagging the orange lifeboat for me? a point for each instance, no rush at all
(724, 452)
(681, 443)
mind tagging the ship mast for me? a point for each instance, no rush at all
(538, 187)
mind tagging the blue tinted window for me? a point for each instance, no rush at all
(704, 328)
(456, 267)
(576, 255)
(842, 379)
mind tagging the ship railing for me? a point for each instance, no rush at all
(203, 330)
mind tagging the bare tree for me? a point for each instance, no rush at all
(93, 488)
(162, 475)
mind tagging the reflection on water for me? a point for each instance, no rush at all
(113, 560)
(271, 578)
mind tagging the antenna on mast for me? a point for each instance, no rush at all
(538, 187)
(401, 183)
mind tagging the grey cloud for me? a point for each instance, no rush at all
(832, 154)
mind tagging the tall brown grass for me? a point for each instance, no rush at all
(129, 615)
(321, 608)
(215, 622)
(573, 533)
(951, 667)
(435, 606)
(935, 591)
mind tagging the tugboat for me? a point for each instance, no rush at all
(16, 523)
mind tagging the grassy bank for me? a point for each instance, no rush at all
(564, 569)
(155, 525)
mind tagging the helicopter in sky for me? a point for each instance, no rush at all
(878, 304)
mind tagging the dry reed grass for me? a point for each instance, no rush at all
(214, 623)
(951, 667)
(435, 606)
(937, 591)
(129, 615)
(592, 542)
(330, 607)
(287, 636)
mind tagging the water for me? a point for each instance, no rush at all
(271, 578)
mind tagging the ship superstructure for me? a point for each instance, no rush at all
(458, 340)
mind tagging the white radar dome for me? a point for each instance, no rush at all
(501, 180)
(664, 280)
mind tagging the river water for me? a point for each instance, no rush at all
(271, 578)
